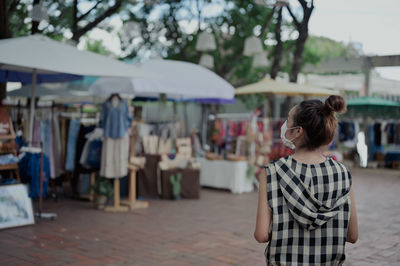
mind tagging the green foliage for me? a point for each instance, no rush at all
(97, 46)
(162, 33)
(103, 187)
(318, 49)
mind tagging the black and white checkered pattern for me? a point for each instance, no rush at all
(311, 211)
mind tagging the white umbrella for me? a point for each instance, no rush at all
(180, 80)
(269, 86)
(40, 55)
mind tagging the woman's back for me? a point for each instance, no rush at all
(310, 206)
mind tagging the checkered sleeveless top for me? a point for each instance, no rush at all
(310, 206)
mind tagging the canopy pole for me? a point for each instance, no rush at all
(32, 112)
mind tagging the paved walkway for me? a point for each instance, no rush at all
(215, 230)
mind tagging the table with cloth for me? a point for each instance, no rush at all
(190, 184)
(225, 174)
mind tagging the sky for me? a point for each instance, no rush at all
(372, 23)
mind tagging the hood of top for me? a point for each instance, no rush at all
(313, 206)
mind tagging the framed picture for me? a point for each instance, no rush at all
(15, 206)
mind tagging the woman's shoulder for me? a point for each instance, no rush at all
(338, 166)
(274, 164)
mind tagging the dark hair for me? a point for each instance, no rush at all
(319, 120)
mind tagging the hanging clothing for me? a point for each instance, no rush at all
(29, 168)
(377, 134)
(91, 153)
(115, 120)
(57, 148)
(73, 131)
(79, 145)
(115, 157)
(383, 133)
(310, 206)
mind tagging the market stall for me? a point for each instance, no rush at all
(157, 142)
(36, 59)
(369, 133)
(246, 141)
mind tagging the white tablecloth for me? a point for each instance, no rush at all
(225, 174)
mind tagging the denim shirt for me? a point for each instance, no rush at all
(115, 120)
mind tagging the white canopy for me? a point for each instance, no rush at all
(38, 52)
(57, 92)
(179, 80)
(40, 55)
(355, 82)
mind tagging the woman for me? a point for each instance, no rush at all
(306, 207)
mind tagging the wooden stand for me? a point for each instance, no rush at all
(13, 168)
(132, 203)
(117, 207)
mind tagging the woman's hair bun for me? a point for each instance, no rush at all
(335, 103)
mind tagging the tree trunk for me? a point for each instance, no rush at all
(35, 24)
(302, 28)
(298, 54)
(75, 16)
(278, 47)
(4, 26)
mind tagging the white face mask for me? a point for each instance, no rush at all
(287, 142)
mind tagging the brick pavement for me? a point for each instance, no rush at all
(215, 230)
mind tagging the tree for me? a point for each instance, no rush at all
(278, 47)
(302, 28)
(67, 19)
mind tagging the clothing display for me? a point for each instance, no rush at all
(29, 167)
(79, 145)
(115, 157)
(115, 120)
(91, 153)
(56, 153)
(348, 131)
(73, 131)
(307, 229)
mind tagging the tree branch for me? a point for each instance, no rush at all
(79, 33)
(296, 22)
(303, 3)
(88, 12)
(266, 24)
(13, 5)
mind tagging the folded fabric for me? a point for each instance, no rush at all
(8, 159)
(138, 161)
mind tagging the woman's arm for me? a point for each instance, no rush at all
(352, 231)
(264, 213)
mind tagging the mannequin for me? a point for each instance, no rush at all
(115, 120)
